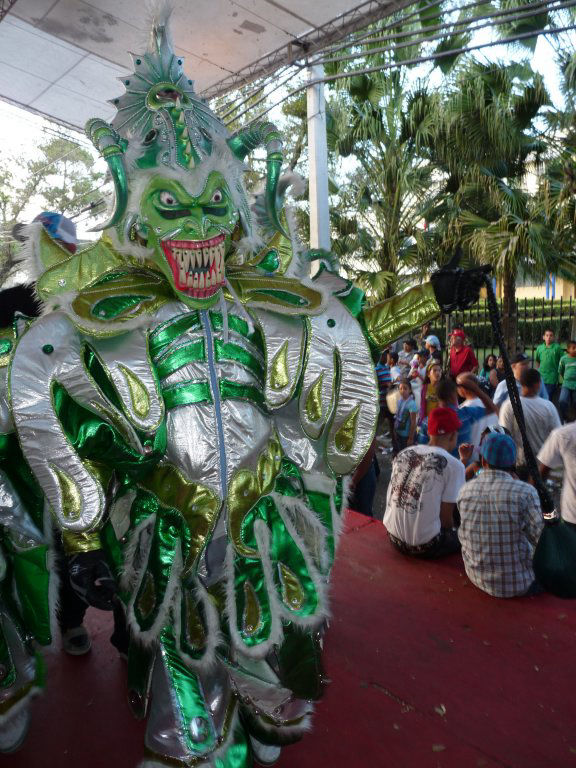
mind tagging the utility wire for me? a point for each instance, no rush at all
(416, 41)
(261, 99)
(417, 60)
(376, 36)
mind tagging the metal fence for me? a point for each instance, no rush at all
(533, 317)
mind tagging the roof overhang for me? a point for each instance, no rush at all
(63, 59)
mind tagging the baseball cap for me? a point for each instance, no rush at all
(432, 340)
(458, 332)
(60, 228)
(442, 421)
(519, 358)
(499, 450)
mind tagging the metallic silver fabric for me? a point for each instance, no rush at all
(14, 517)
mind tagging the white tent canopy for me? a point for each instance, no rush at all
(62, 58)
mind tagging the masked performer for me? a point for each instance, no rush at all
(191, 403)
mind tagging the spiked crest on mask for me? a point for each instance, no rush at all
(180, 202)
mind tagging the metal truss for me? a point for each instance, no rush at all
(306, 45)
(5, 6)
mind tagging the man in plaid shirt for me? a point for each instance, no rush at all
(501, 523)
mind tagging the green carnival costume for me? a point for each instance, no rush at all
(192, 402)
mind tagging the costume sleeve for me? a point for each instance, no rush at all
(394, 317)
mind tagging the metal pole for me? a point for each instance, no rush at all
(318, 161)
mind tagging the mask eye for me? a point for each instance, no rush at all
(167, 198)
(217, 197)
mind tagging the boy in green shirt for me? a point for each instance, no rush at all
(548, 356)
(567, 369)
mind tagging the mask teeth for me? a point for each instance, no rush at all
(197, 266)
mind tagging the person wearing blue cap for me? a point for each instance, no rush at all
(501, 522)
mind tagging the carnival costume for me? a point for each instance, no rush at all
(191, 403)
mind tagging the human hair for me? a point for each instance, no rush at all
(571, 342)
(446, 390)
(411, 343)
(548, 330)
(433, 361)
(393, 357)
(485, 366)
(530, 377)
(406, 382)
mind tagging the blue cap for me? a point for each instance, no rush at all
(499, 450)
(434, 340)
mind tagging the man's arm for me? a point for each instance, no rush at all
(447, 514)
(467, 381)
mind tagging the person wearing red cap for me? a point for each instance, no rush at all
(462, 357)
(423, 489)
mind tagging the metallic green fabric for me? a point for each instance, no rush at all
(92, 438)
(172, 330)
(32, 580)
(231, 351)
(178, 358)
(188, 694)
(394, 317)
(6, 662)
(166, 539)
(283, 550)
(236, 324)
(254, 616)
(320, 503)
(231, 390)
(116, 305)
(187, 393)
(140, 666)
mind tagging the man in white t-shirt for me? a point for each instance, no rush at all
(540, 416)
(423, 489)
(560, 450)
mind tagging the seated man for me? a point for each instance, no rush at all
(423, 489)
(501, 522)
(540, 416)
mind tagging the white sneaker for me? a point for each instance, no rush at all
(13, 731)
(264, 754)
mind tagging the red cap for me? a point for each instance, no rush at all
(458, 332)
(442, 421)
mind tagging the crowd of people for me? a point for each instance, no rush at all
(459, 479)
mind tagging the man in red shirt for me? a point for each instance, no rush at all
(462, 358)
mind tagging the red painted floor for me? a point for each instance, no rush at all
(427, 671)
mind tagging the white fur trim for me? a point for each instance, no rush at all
(150, 636)
(19, 706)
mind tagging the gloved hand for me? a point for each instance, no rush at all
(92, 579)
(457, 288)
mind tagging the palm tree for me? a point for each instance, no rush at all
(485, 144)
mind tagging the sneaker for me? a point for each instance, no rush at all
(13, 732)
(264, 754)
(76, 641)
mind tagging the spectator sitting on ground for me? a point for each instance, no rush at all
(540, 416)
(462, 357)
(395, 370)
(488, 373)
(447, 391)
(432, 344)
(409, 347)
(423, 490)
(547, 359)
(567, 370)
(406, 415)
(519, 363)
(501, 522)
(559, 450)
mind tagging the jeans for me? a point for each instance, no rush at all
(551, 389)
(445, 543)
(566, 400)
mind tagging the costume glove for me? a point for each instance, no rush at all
(457, 288)
(92, 579)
